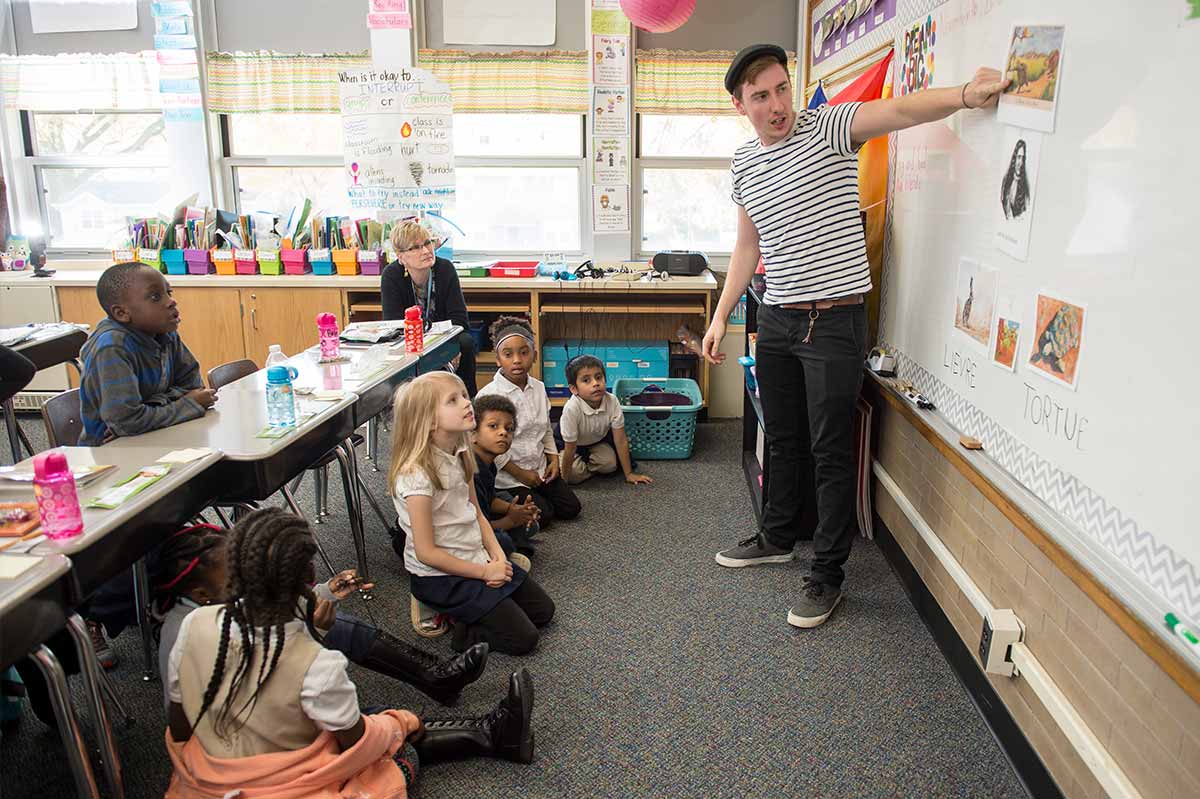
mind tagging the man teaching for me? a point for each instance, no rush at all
(796, 188)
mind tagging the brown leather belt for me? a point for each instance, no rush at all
(821, 305)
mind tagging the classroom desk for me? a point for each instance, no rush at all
(33, 608)
(61, 345)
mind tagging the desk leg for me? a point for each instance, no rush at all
(141, 598)
(353, 507)
(14, 433)
(373, 443)
(68, 724)
(89, 669)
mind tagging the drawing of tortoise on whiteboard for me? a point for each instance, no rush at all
(1058, 338)
(1014, 192)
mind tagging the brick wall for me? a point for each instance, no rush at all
(1149, 725)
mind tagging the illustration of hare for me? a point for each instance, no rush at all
(966, 313)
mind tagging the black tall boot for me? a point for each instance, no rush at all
(438, 678)
(504, 733)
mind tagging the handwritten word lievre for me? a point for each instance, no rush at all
(1044, 412)
(961, 365)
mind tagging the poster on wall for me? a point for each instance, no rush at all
(610, 111)
(1033, 63)
(1021, 151)
(917, 44)
(975, 300)
(611, 164)
(1057, 339)
(847, 23)
(1006, 343)
(610, 209)
(397, 138)
(610, 60)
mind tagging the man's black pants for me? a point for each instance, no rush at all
(809, 392)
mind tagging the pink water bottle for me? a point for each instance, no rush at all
(414, 330)
(327, 327)
(57, 501)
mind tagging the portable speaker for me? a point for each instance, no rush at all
(681, 262)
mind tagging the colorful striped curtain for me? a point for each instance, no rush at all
(80, 81)
(553, 81)
(685, 81)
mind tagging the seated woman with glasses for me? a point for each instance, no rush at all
(418, 277)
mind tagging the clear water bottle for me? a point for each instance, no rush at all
(275, 356)
(58, 504)
(281, 399)
(327, 330)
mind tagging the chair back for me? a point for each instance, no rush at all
(63, 419)
(226, 373)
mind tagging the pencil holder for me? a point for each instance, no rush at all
(124, 255)
(245, 262)
(370, 261)
(346, 262)
(198, 262)
(174, 263)
(320, 261)
(295, 262)
(151, 257)
(223, 261)
(269, 263)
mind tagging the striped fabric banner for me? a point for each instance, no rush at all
(686, 82)
(552, 81)
(80, 82)
(543, 82)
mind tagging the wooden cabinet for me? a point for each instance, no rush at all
(285, 316)
(211, 324)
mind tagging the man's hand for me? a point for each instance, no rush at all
(985, 88)
(206, 397)
(324, 615)
(712, 340)
(345, 583)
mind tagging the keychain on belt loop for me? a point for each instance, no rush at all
(813, 315)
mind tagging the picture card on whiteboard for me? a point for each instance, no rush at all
(975, 300)
(1022, 152)
(1033, 63)
(610, 111)
(1057, 339)
(610, 209)
(1006, 343)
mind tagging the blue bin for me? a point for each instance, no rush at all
(173, 262)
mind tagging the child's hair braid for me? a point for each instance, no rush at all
(180, 558)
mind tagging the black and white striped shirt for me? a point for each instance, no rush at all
(802, 195)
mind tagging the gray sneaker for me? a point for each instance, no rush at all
(753, 552)
(817, 601)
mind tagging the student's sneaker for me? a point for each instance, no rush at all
(104, 651)
(426, 621)
(754, 552)
(520, 560)
(816, 602)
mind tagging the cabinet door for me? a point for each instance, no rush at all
(287, 317)
(210, 325)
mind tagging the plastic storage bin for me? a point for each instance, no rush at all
(151, 257)
(173, 262)
(660, 433)
(345, 262)
(245, 262)
(198, 262)
(370, 262)
(466, 270)
(320, 261)
(514, 269)
(223, 262)
(269, 262)
(478, 332)
(295, 262)
(124, 255)
(636, 359)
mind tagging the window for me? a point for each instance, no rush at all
(93, 170)
(518, 135)
(685, 182)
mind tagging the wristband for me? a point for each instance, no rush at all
(964, 95)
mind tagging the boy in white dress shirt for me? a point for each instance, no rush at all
(593, 426)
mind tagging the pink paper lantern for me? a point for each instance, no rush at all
(658, 16)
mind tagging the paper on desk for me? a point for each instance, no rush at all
(13, 566)
(326, 396)
(441, 327)
(185, 455)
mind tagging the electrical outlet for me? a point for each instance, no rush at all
(1001, 629)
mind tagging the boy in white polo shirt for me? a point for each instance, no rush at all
(593, 426)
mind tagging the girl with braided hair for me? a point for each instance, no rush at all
(275, 710)
(191, 573)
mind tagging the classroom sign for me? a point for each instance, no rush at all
(397, 138)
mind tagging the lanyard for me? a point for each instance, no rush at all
(428, 318)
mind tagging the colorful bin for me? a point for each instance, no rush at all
(320, 261)
(222, 261)
(514, 269)
(151, 257)
(295, 262)
(345, 262)
(174, 263)
(660, 432)
(370, 262)
(245, 262)
(198, 262)
(269, 262)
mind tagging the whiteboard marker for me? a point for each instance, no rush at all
(1189, 637)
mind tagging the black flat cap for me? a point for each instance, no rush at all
(733, 76)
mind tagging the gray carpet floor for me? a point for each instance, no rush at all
(662, 675)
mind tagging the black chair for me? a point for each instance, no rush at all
(63, 419)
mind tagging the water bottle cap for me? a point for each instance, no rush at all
(278, 374)
(326, 320)
(274, 348)
(413, 313)
(49, 464)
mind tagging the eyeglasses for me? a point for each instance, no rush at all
(430, 243)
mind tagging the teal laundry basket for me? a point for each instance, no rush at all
(664, 432)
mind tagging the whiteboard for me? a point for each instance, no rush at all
(522, 23)
(1115, 229)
